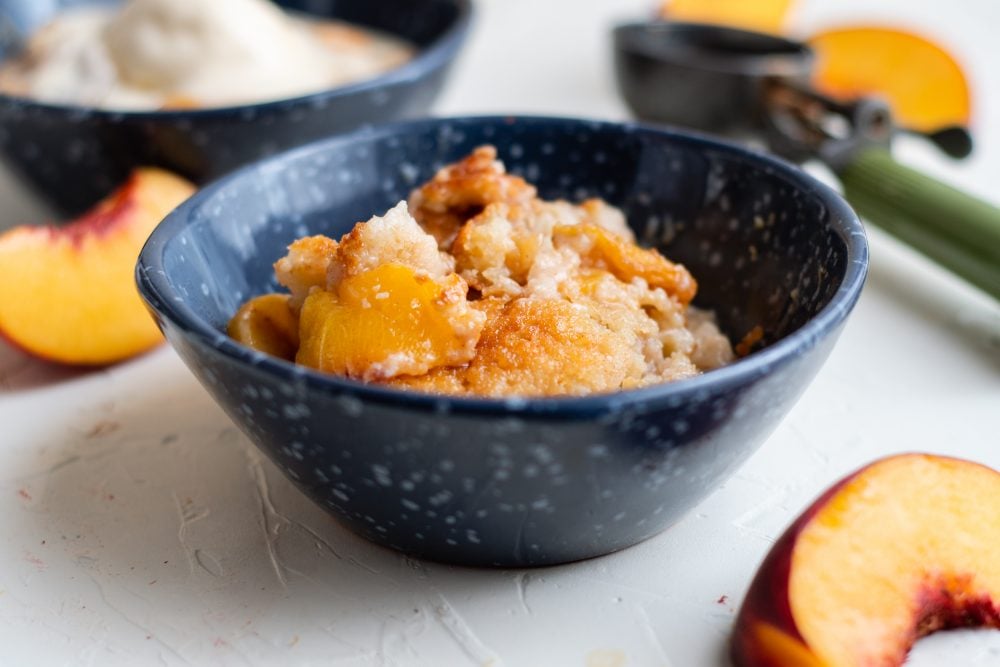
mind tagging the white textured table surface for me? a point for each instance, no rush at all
(139, 527)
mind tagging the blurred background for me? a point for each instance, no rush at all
(570, 58)
(572, 40)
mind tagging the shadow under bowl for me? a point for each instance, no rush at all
(73, 156)
(518, 482)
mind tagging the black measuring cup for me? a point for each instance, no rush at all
(755, 87)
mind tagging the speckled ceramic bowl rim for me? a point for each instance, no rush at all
(156, 290)
(428, 59)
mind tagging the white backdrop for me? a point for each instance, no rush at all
(139, 527)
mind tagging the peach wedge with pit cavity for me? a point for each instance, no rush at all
(905, 546)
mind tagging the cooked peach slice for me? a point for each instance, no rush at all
(267, 324)
(387, 322)
(67, 293)
(924, 85)
(604, 249)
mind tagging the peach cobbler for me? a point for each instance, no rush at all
(476, 286)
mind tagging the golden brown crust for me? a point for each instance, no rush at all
(394, 238)
(305, 267)
(534, 297)
(542, 347)
(602, 249)
(548, 347)
(462, 190)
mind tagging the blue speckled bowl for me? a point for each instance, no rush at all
(517, 482)
(74, 156)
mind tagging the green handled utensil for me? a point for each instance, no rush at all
(956, 230)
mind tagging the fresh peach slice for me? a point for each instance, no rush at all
(761, 15)
(626, 260)
(387, 322)
(67, 293)
(905, 546)
(267, 324)
(924, 85)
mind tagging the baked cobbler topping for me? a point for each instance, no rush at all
(476, 286)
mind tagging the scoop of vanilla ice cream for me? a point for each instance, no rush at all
(67, 64)
(215, 50)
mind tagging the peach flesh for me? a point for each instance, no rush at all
(386, 322)
(902, 548)
(67, 293)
